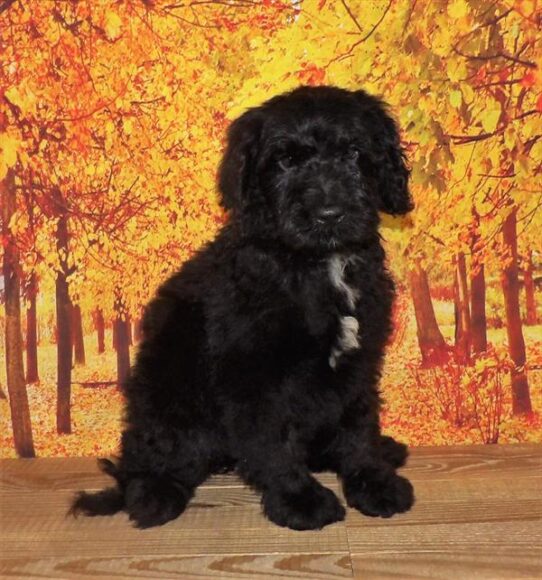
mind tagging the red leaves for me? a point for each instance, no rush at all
(528, 80)
(504, 74)
(311, 74)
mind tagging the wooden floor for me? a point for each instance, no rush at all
(478, 515)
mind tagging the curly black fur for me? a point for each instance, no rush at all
(263, 353)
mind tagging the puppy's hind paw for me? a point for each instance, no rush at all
(153, 501)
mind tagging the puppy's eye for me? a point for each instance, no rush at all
(285, 161)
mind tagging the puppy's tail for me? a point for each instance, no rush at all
(101, 503)
(107, 502)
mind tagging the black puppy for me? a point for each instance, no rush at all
(263, 353)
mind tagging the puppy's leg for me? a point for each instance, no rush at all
(268, 459)
(156, 476)
(370, 482)
(167, 448)
(262, 437)
(291, 496)
(161, 470)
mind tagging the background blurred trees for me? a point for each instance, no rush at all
(112, 117)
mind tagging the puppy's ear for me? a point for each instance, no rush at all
(386, 157)
(236, 168)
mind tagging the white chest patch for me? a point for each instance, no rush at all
(348, 338)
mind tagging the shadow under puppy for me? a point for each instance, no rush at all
(263, 353)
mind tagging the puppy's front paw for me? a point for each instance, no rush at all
(379, 495)
(154, 501)
(393, 452)
(310, 508)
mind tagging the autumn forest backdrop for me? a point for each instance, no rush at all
(112, 119)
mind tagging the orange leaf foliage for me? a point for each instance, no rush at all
(113, 117)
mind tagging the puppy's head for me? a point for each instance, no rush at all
(314, 167)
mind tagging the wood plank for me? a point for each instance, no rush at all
(366, 533)
(36, 524)
(482, 521)
(451, 543)
(474, 461)
(443, 563)
(74, 474)
(478, 515)
(474, 489)
(200, 532)
(426, 463)
(14, 504)
(277, 566)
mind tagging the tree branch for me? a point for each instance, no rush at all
(379, 21)
(364, 38)
(463, 139)
(352, 17)
(509, 57)
(6, 4)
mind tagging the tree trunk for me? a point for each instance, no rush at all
(63, 321)
(130, 332)
(78, 340)
(462, 313)
(122, 342)
(433, 347)
(478, 309)
(18, 398)
(32, 333)
(100, 330)
(477, 288)
(137, 330)
(521, 399)
(532, 317)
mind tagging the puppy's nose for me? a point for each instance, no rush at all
(329, 212)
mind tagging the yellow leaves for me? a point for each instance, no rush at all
(23, 97)
(490, 119)
(255, 98)
(523, 167)
(110, 131)
(96, 411)
(455, 98)
(456, 69)
(468, 93)
(128, 126)
(441, 38)
(112, 25)
(510, 137)
(90, 170)
(362, 65)
(156, 110)
(527, 8)
(458, 9)
(9, 148)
